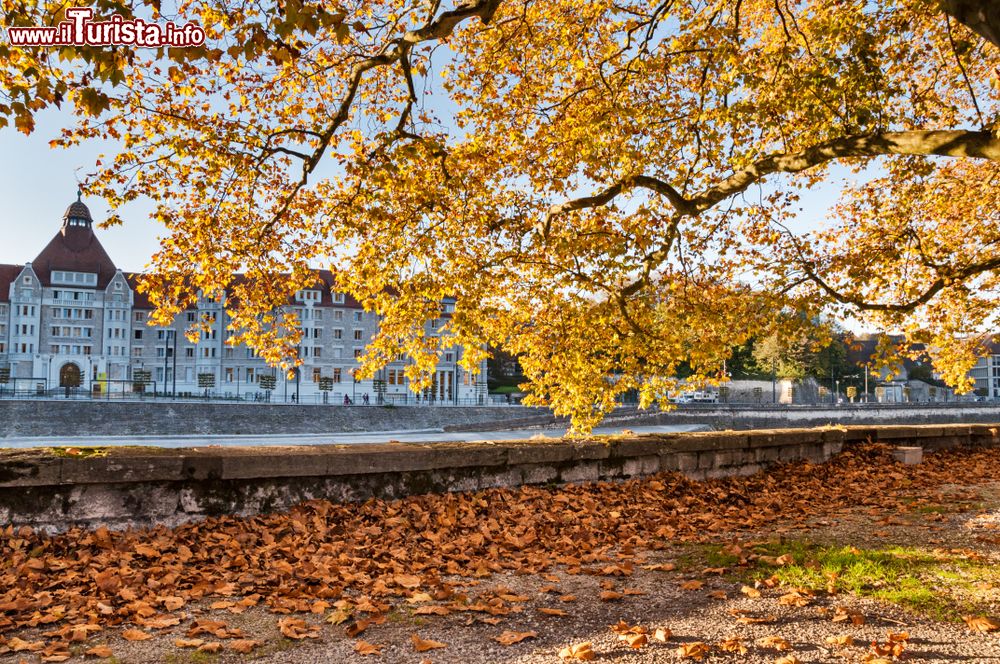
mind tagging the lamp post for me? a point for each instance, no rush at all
(166, 356)
(173, 391)
(774, 382)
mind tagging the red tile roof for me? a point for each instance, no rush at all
(77, 249)
(8, 273)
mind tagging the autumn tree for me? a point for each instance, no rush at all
(605, 187)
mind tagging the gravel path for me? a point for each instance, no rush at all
(956, 518)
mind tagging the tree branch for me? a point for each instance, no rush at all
(945, 143)
(980, 16)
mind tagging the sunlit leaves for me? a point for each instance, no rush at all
(584, 178)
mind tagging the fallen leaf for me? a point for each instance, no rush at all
(981, 624)
(733, 644)
(662, 634)
(408, 581)
(135, 635)
(794, 598)
(552, 612)
(692, 585)
(212, 647)
(752, 593)
(775, 642)
(422, 645)
(610, 596)
(244, 646)
(339, 616)
(843, 640)
(693, 650)
(99, 651)
(20, 645)
(788, 659)
(509, 638)
(365, 648)
(173, 603)
(581, 651)
(188, 643)
(296, 628)
(635, 641)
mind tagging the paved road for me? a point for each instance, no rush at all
(419, 436)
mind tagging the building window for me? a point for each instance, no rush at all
(191, 316)
(138, 334)
(338, 298)
(357, 352)
(317, 351)
(189, 352)
(316, 374)
(338, 315)
(137, 351)
(338, 334)
(318, 314)
(336, 374)
(357, 335)
(357, 316)
(140, 316)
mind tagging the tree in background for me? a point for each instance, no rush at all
(810, 354)
(605, 187)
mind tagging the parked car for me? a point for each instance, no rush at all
(697, 397)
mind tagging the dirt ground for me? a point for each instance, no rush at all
(911, 568)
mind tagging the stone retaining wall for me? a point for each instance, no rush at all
(137, 486)
(55, 417)
(742, 417)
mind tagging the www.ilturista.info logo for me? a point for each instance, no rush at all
(79, 30)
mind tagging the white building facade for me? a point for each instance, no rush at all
(986, 373)
(70, 318)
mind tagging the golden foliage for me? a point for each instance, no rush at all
(586, 179)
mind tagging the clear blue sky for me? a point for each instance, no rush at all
(37, 183)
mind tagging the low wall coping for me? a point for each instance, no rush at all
(122, 465)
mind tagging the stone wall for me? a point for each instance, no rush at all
(741, 417)
(136, 486)
(53, 417)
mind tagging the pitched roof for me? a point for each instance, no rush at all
(77, 249)
(8, 273)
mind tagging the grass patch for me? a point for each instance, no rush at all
(935, 583)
